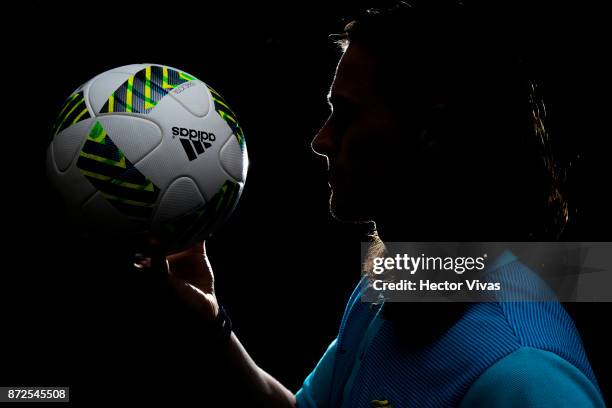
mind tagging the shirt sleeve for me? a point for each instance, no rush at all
(315, 391)
(531, 377)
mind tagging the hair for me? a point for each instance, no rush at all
(436, 52)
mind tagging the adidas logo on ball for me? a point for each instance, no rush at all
(195, 142)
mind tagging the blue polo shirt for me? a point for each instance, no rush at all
(498, 354)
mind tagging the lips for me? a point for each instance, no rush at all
(334, 175)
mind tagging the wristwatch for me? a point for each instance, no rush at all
(221, 328)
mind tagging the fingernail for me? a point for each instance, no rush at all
(141, 261)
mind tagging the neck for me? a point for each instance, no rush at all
(437, 222)
(407, 228)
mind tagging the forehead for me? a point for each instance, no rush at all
(355, 74)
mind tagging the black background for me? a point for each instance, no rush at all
(73, 315)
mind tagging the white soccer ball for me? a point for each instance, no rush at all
(148, 151)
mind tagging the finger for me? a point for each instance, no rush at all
(152, 269)
(196, 249)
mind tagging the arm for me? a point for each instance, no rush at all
(265, 389)
(190, 273)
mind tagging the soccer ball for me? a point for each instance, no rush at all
(148, 151)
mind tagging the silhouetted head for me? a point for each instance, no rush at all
(435, 125)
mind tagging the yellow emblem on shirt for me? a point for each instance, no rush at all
(381, 404)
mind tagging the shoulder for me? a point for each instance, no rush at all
(531, 377)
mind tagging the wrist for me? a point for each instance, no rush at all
(220, 328)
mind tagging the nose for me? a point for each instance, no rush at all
(323, 143)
